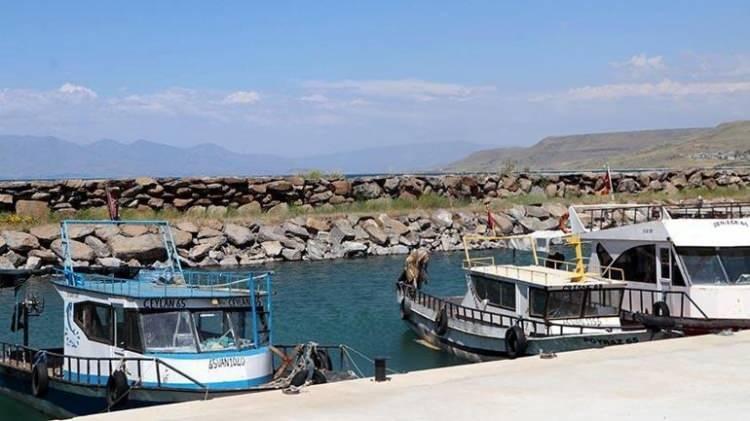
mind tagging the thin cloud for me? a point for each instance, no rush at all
(412, 89)
(77, 91)
(242, 97)
(665, 88)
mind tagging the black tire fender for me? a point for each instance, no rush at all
(117, 389)
(318, 377)
(515, 342)
(322, 360)
(441, 322)
(661, 309)
(405, 308)
(39, 379)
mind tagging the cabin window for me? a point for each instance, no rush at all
(604, 257)
(638, 264)
(168, 332)
(128, 330)
(215, 332)
(677, 278)
(242, 323)
(664, 263)
(497, 293)
(565, 304)
(709, 265)
(537, 302)
(603, 303)
(95, 320)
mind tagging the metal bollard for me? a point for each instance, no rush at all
(380, 369)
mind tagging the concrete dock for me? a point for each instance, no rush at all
(697, 378)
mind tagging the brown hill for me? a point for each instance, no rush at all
(673, 148)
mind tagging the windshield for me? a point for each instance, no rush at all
(716, 265)
(170, 331)
(216, 330)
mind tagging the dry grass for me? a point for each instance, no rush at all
(390, 206)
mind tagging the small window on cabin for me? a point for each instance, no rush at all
(638, 264)
(168, 332)
(565, 304)
(677, 279)
(664, 263)
(603, 303)
(95, 320)
(497, 293)
(537, 302)
(128, 331)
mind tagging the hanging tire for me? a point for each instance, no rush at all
(39, 379)
(661, 309)
(322, 360)
(318, 377)
(441, 322)
(405, 308)
(117, 389)
(515, 342)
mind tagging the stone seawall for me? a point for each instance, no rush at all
(216, 243)
(216, 196)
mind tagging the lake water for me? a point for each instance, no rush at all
(331, 302)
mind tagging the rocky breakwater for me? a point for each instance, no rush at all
(216, 243)
(217, 197)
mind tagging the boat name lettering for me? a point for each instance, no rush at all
(613, 341)
(164, 303)
(717, 224)
(215, 363)
(235, 302)
(595, 286)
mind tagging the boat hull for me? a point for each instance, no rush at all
(476, 342)
(65, 399)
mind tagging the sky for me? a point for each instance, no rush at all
(295, 78)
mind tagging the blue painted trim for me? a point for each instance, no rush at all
(208, 355)
(94, 380)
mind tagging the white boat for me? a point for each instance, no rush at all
(511, 310)
(686, 266)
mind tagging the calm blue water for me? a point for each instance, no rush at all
(345, 301)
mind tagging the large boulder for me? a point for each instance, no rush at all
(78, 250)
(46, 233)
(105, 232)
(238, 235)
(32, 208)
(134, 230)
(98, 246)
(77, 232)
(317, 224)
(366, 191)
(442, 218)
(147, 247)
(181, 238)
(376, 234)
(20, 241)
(392, 226)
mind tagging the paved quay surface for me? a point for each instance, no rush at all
(697, 378)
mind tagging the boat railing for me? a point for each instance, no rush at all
(594, 217)
(165, 283)
(461, 312)
(89, 370)
(647, 297)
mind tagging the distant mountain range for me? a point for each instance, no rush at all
(23, 157)
(672, 148)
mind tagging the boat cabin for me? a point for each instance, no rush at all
(695, 258)
(544, 291)
(170, 328)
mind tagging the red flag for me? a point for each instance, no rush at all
(607, 183)
(490, 220)
(112, 206)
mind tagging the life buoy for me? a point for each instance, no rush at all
(39, 379)
(405, 308)
(515, 342)
(562, 224)
(661, 309)
(117, 389)
(441, 322)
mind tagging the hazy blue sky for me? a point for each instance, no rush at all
(299, 77)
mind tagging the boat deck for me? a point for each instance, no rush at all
(702, 377)
(540, 275)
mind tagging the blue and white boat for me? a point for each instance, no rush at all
(157, 336)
